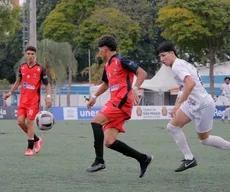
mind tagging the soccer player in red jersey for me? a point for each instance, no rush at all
(30, 77)
(118, 77)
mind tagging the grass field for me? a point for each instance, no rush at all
(68, 150)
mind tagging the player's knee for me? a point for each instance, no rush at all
(109, 142)
(21, 122)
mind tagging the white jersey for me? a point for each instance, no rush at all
(225, 88)
(198, 98)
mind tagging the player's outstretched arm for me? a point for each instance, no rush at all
(15, 86)
(104, 86)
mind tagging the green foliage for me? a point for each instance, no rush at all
(96, 71)
(10, 52)
(44, 7)
(145, 13)
(9, 21)
(4, 82)
(62, 23)
(109, 21)
(196, 24)
(55, 57)
(201, 26)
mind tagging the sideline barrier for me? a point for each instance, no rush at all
(82, 113)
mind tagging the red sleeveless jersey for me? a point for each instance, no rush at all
(119, 74)
(31, 79)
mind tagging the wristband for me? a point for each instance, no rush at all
(48, 96)
(94, 96)
(135, 87)
(9, 93)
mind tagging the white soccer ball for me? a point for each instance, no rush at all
(44, 120)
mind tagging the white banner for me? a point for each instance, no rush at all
(151, 112)
(70, 113)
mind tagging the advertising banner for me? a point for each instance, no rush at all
(85, 114)
(70, 113)
(151, 112)
(8, 113)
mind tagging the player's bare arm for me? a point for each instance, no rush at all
(100, 91)
(48, 96)
(141, 75)
(189, 85)
(15, 86)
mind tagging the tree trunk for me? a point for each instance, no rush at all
(70, 78)
(211, 72)
(69, 84)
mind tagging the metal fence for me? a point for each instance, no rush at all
(80, 98)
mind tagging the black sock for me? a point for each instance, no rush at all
(30, 144)
(36, 138)
(127, 150)
(98, 141)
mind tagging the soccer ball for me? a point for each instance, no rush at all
(44, 120)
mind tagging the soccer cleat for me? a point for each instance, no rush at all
(29, 152)
(96, 166)
(187, 164)
(38, 145)
(144, 165)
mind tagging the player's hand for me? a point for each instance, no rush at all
(91, 102)
(48, 102)
(6, 95)
(136, 99)
(174, 110)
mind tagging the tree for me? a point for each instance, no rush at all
(62, 23)
(7, 14)
(95, 70)
(109, 21)
(55, 58)
(10, 52)
(145, 13)
(44, 7)
(201, 26)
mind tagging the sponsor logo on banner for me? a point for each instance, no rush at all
(70, 113)
(85, 114)
(219, 112)
(8, 113)
(151, 112)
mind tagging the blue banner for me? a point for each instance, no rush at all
(86, 114)
(219, 112)
(57, 113)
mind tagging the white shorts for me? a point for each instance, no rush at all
(225, 100)
(203, 117)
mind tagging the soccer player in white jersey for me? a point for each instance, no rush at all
(225, 92)
(198, 105)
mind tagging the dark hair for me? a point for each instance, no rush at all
(166, 46)
(227, 78)
(107, 41)
(31, 48)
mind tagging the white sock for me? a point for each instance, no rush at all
(225, 113)
(180, 140)
(228, 112)
(216, 141)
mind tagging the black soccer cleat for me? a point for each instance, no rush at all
(187, 164)
(144, 165)
(96, 166)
